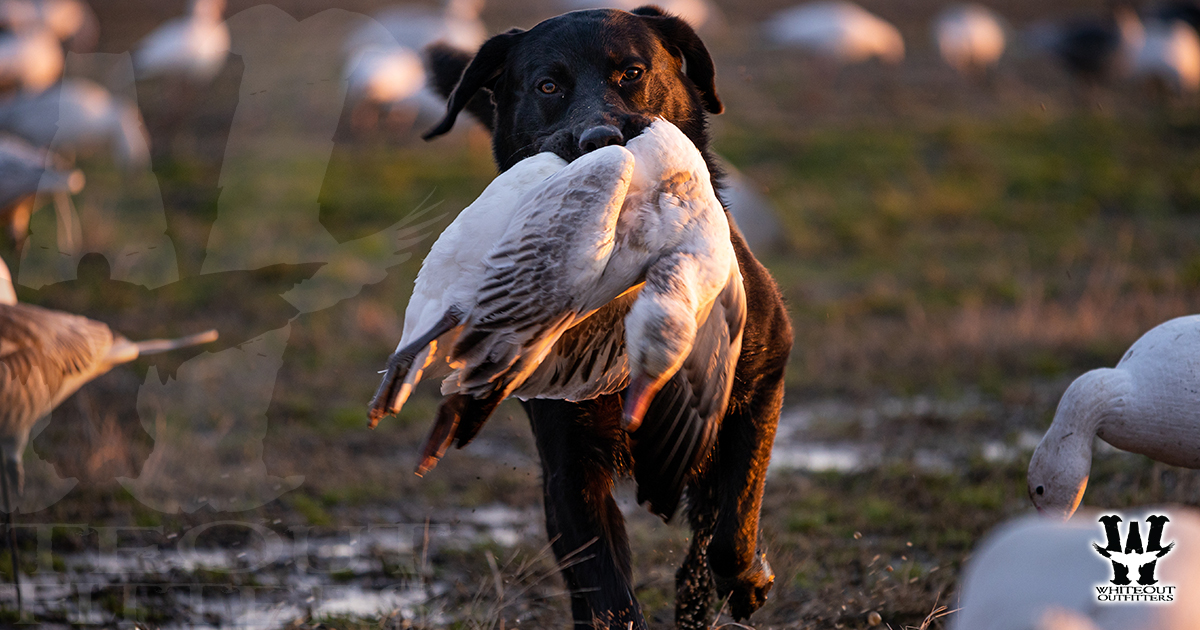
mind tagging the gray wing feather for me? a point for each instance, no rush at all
(588, 360)
(530, 293)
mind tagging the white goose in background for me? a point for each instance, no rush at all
(46, 356)
(31, 56)
(970, 38)
(72, 21)
(841, 31)
(561, 286)
(1148, 404)
(1170, 52)
(24, 172)
(416, 26)
(1035, 574)
(79, 116)
(389, 81)
(193, 47)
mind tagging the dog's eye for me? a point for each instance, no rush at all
(1040, 490)
(548, 87)
(631, 75)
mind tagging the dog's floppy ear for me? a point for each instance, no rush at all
(678, 35)
(480, 74)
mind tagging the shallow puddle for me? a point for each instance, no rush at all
(275, 579)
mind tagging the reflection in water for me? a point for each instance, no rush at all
(273, 578)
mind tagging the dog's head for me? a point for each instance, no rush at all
(581, 81)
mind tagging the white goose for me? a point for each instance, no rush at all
(970, 38)
(31, 59)
(554, 305)
(79, 116)
(841, 31)
(384, 75)
(415, 27)
(390, 81)
(1148, 404)
(72, 21)
(194, 47)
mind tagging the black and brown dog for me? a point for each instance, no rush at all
(569, 85)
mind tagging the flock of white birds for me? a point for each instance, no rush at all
(1161, 46)
(1149, 403)
(47, 120)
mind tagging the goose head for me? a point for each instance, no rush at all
(1062, 461)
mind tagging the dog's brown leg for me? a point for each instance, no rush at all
(738, 471)
(740, 569)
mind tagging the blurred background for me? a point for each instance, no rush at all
(965, 208)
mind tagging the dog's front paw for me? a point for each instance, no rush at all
(747, 592)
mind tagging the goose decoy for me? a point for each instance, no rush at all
(414, 27)
(841, 31)
(23, 173)
(1148, 404)
(970, 38)
(388, 82)
(193, 47)
(72, 21)
(380, 75)
(31, 59)
(1170, 54)
(79, 116)
(614, 273)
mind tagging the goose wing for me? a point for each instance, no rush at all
(541, 278)
(449, 277)
(44, 357)
(680, 426)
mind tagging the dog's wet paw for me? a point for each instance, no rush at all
(748, 591)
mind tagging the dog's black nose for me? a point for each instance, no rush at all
(598, 137)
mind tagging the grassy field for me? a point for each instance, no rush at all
(957, 253)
